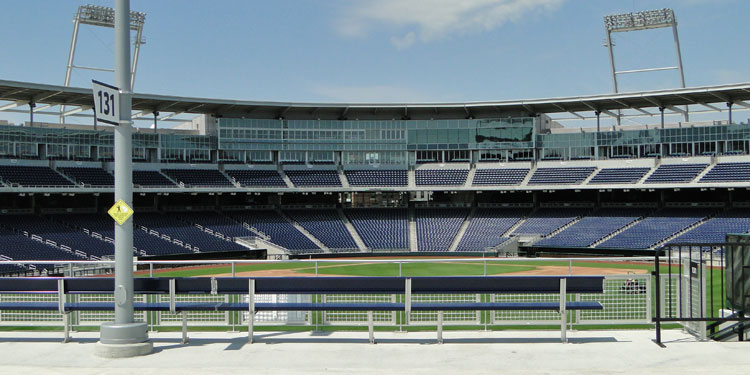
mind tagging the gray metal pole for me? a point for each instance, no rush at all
(124, 330)
(123, 162)
(679, 63)
(612, 67)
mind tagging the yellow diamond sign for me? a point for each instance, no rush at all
(120, 211)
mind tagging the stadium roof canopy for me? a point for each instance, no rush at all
(80, 99)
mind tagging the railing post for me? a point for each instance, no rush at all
(150, 270)
(233, 269)
(316, 268)
(657, 313)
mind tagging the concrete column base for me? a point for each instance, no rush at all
(123, 350)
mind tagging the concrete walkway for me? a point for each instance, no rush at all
(465, 352)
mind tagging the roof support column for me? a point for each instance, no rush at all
(31, 113)
(729, 106)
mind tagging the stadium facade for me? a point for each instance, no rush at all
(306, 178)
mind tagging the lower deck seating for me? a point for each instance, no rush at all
(185, 232)
(547, 220)
(656, 228)
(715, 229)
(487, 227)
(437, 227)
(278, 230)
(381, 228)
(594, 227)
(326, 225)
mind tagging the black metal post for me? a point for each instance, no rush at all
(657, 313)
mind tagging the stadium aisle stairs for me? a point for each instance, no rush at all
(464, 225)
(711, 166)
(648, 174)
(469, 180)
(519, 223)
(342, 177)
(352, 231)
(412, 178)
(527, 178)
(605, 238)
(286, 179)
(412, 225)
(303, 231)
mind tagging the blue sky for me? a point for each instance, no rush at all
(382, 50)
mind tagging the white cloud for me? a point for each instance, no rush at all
(428, 20)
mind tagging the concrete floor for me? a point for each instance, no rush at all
(469, 352)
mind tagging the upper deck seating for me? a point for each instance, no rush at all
(561, 175)
(89, 176)
(619, 175)
(256, 177)
(672, 173)
(151, 179)
(728, 172)
(441, 177)
(497, 176)
(313, 178)
(198, 177)
(377, 177)
(32, 176)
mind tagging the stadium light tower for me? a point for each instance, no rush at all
(95, 15)
(644, 20)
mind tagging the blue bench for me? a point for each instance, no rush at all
(407, 286)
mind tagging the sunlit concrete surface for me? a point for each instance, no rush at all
(464, 352)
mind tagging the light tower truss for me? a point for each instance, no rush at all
(638, 21)
(94, 15)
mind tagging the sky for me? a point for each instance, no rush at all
(392, 51)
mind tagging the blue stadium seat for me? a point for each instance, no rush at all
(377, 177)
(487, 227)
(381, 228)
(437, 227)
(496, 176)
(673, 173)
(619, 175)
(441, 177)
(561, 176)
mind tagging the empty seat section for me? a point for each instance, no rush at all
(17, 246)
(675, 173)
(547, 220)
(487, 227)
(381, 228)
(185, 232)
(314, 178)
(561, 176)
(619, 175)
(715, 229)
(252, 177)
(59, 234)
(32, 176)
(486, 177)
(377, 177)
(728, 172)
(89, 176)
(326, 225)
(217, 223)
(151, 178)
(594, 227)
(437, 227)
(277, 228)
(198, 177)
(656, 228)
(102, 226)
(441, 177)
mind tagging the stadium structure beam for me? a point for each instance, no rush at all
(715, 108)
(12, 105)
(169, 116)
(75, 110)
